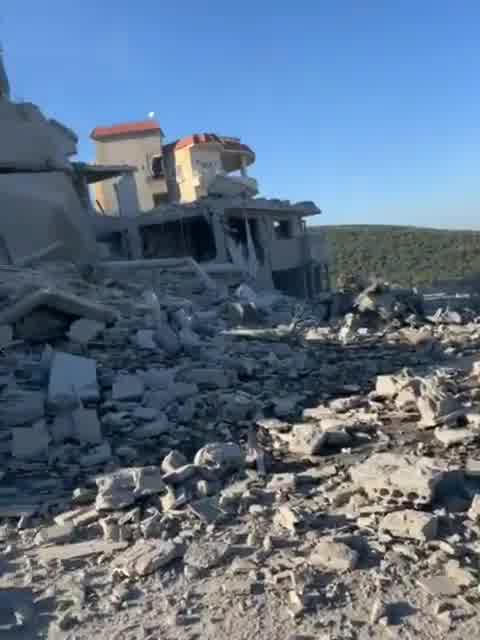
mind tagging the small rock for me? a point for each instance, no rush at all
(84, 330)
(335, 556)
(127, 387)
(461, 577)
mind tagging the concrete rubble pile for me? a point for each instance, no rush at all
(180, 442)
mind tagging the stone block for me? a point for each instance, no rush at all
(145, 557)
(62, 428)
(30, 442)
(21, 407)
(122, 488)
(127, 387)
(72, 378)
(224, 456)
(86, 426)
(334, 556)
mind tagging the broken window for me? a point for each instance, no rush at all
(283, 229)
(179, 238)
(156, 167)
(237, 229)
(159, 198)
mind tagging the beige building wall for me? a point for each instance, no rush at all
(184, 172)
(195, 167)
(135, 150)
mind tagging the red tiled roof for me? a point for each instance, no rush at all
(145, 126)
(228, 144)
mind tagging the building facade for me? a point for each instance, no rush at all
(138, 144)
(194, 163)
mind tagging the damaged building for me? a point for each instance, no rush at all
(190, 198)
(207, 208)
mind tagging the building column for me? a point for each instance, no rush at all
(243, 168)
(219, 236)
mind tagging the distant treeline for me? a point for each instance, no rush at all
(404, 255)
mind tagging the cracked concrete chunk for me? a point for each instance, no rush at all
(205, 555)
(123, 487)
(224, 456)
(435, 402)
(398, 479)
(439, 586)
(146, 557)
(78, 550)
(450, 437)
(127, 387)
(334, 556)
(462, 577)
(410, 524)
(54, 534)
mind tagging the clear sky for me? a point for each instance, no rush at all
(371, 108)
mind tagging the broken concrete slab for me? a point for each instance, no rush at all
(61, 301)
(77, 517)
(55, 534)
(439, 586)
(78, 550)
(410, 524)
(146, 557)
(334, 556)
(224, 456)
(72, 378)
(398, 480)
(122, 488)
(450, 437)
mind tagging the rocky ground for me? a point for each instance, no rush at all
(180, 459)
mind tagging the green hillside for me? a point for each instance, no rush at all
(406, 255)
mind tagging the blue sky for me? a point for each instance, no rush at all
(372, 108)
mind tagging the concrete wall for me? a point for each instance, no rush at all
(30, 141)
(287, 253)
(184, 175)
(136, 151)
(207, 163)
(38, 209)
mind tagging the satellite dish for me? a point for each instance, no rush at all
(151, 114)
